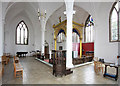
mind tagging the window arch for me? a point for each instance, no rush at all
(61, 37)
(22, 33)
(114, 32)
(88, 31)
(75, 38)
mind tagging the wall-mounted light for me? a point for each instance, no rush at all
(40, 14)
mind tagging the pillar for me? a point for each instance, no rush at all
(55, 43)
(43, 22)
(80, 47)
(1, 32)
(69, 15)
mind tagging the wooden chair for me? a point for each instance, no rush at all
(98, 66)
(4, 60)
(8, 56)
(18, 70)
(95, 58)
(13, 58)
(1, 70)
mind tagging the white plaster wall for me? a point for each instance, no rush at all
(119, 53)
(28, 13)
(37, 37)
(99, 11)
(1, 32)
(119, 49)
(79, 17)
(104, 48)
(63, 44)
(49, 36)
(119, 32)
(10, 28)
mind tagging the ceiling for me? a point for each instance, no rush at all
(54, 10)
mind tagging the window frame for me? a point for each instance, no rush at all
(76, 40)
(85, 29)
(61, 37)
(110, 15)
(20, 33)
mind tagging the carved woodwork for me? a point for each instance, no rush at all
(62, 26)
(59, 63)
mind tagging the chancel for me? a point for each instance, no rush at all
(65, 42)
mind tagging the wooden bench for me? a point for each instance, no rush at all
(82, 60)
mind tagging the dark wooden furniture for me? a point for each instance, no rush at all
(111, 75)
(78, 60)
(59, 63)
(51, 60)
(47, 56)
(82, 60)
(38, 54)
(21, 54)
(88, 58)
(46, 52)
(90, 53)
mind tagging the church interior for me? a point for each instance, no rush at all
(60, 42)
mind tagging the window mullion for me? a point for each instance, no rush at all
(118, 26)
(24, 36)
(20, 35)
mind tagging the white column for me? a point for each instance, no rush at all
(69, 14)
(1, 32)
(42, 34)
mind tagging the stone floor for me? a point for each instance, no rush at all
(36, 72)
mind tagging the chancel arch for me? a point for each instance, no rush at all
(61, 27)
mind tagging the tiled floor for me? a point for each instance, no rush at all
(36, 72)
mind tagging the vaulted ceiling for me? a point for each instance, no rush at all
(54, 10)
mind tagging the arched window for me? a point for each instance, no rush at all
(114, 34)
(89, 29)
(22, 34)
(61, 37)
(75, 38)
